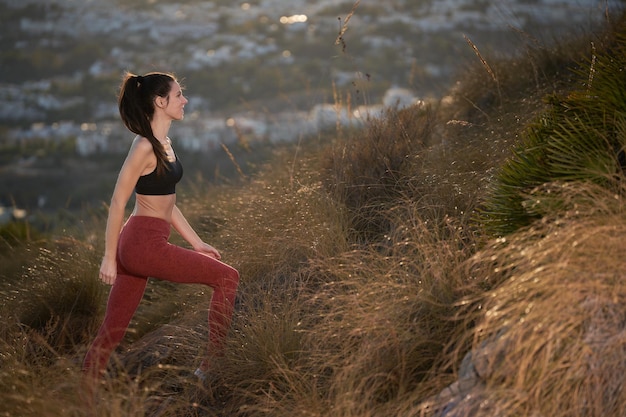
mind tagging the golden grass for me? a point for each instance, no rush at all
(550, 336)
(364, 284)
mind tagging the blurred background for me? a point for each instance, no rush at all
(256, 73)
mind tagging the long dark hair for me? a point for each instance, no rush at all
(136, 104)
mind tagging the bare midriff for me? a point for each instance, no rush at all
(160, 206)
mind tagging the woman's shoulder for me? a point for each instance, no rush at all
(141, 154)
(142, 142)
(141, 146)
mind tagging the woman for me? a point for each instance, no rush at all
(139, 248)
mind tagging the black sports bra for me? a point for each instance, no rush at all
(165, 184)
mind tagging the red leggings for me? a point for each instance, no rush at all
(144, 251)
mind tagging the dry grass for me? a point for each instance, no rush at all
(386, 317)
(283, 219)
(368, 172)
(365, 282)
(550, 336)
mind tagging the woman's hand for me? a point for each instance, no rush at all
(208, 250)
(108, 270)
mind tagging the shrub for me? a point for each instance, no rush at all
(369, 170)
(579, 138)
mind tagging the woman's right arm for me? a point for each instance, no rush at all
(139, 157)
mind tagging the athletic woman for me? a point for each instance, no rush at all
(139, 248)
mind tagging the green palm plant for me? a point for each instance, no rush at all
(581, 137)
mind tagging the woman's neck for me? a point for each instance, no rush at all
(161, 128)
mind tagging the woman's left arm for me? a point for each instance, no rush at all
(182, 226)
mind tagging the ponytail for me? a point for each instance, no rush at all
(136, 105)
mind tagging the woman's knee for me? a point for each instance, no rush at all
(233, 278)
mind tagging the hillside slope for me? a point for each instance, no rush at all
(373, 283)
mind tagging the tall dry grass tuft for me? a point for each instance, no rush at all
(367, 171)
(550, 336)
(497, 84)
(282, 219)
(263, 371)
(57, 301)
(383, 318)
(48, 316)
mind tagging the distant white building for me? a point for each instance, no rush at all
(367, 113)
(399, 98)
(328, 115)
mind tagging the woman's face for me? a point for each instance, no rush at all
(175, 104)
